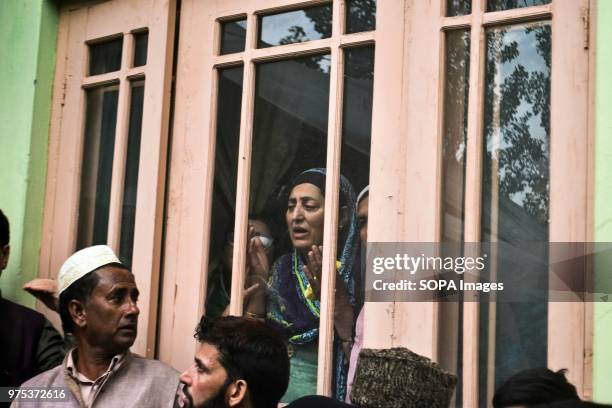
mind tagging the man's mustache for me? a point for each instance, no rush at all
(179, 401)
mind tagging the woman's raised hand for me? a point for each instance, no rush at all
(258, 265)
(313, 269)
(343, 311)
(257, 271)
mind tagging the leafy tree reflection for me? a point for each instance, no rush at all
(517, 117)
(516, 188)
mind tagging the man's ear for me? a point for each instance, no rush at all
(77, 313)
(6, 251)
(237, 394)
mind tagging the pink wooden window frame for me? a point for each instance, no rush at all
(79, 25)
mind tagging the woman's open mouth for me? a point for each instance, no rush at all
(299, 232)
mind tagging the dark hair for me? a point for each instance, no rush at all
(317, 179)
(4, 230)
(318, 401)
(573, 404)
(79, 290)
(252, 351)
(535, 386)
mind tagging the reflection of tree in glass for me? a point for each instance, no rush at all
(297, 35)
(359, 63)
(456, 87)
(321, 19)
(497, 5)
(361, 16)
(458, 7)
(456, 93)
(517, 112)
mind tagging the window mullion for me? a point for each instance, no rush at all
(212, 142)
(569, 206)
(332, 187)
(121, 136)
(518, 15)
(473, 187)
(357, 39)
(99, 80)
(244, 170)
(291, 50)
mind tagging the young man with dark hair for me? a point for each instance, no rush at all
(534, 387)
(29, 344)
(240, 362)
(98, 304)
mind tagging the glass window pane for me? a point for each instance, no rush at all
(355, 166)
(456, 90)
(498, 5)
(141, 41)
(221, 248)
(105, 56)
(357, 115)
(458, 7)
(360, 16)
(516, 191)
(130, 185)
(233, 36)
(97, 167)
(296, 26)
(290, 136)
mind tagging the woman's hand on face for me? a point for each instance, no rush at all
(258, 265)
(313, 269)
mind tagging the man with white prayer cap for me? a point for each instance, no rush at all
(97, 304)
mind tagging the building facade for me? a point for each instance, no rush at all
(163, 127)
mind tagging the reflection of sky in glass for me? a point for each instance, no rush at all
(325, 64)
(281, 28)
(233, 36)
(532, 62)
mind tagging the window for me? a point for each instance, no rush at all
(427, 153)
(293, 92)
(503, 177)
(108, 141)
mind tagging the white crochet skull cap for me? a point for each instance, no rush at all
(82, 262)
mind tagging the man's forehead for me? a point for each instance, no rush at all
(111, 275)
(208, 354)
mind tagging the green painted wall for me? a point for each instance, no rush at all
(602, 339)
(28, 33)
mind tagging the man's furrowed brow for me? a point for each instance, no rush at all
(117, 291)
(199, 363)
